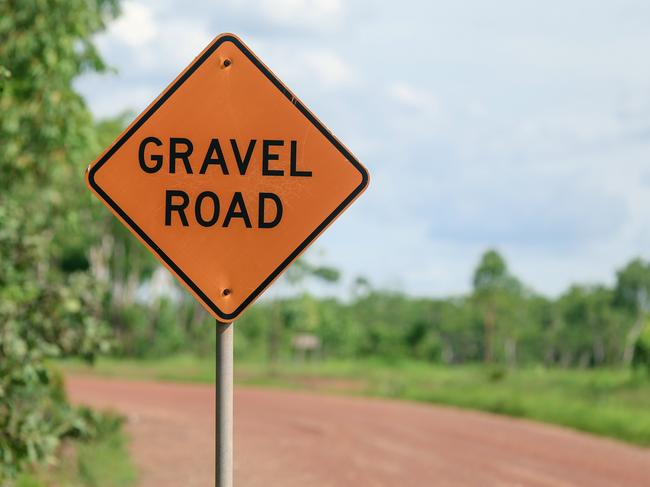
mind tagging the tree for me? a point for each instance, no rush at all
(633, 295)
(589, 326)
(642, 351)
(299, 272)
(494, 288)
(48, 307)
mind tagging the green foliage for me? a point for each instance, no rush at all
(633, 296)
(497, 295)
(162, 328)
(633, 286)
(100, 461)
(49, 303)
(491, 273)
(303, 269)
(106, 463)
(592, 327)
(642, 351)
(44, 46)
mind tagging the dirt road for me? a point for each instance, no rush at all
(293, 439)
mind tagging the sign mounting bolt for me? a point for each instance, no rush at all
(226, 62)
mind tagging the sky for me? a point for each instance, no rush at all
(519, 125)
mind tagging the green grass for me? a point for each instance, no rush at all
(100, 463)
(180, 368)
(606, 402)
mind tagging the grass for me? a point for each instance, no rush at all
(606, 402)
(180, 368)
(103, 462)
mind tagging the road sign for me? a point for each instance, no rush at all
(227, 177)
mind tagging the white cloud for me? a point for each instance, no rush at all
(415, 112)
(303, 68)
(180, 41)
(136, 26)
(301, 14)
(413, 97)
(302, 11)
(329, 68)
(107, 104)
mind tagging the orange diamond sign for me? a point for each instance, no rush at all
(227, 177)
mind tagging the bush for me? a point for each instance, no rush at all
(48, 306)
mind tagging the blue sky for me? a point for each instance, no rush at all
(522, 125)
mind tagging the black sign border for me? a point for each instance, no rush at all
(227, 317)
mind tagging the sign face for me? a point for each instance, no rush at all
(227, 177)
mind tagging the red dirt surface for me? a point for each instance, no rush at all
(297, 439)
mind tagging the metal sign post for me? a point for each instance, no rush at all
(224, 409)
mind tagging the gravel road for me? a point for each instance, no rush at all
(297, 439)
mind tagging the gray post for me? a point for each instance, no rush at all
(224, 416)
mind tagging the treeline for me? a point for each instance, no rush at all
(501, 321)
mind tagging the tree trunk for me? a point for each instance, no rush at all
(599, 351)
(633, 337)
(489, 320)
(510, 349)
